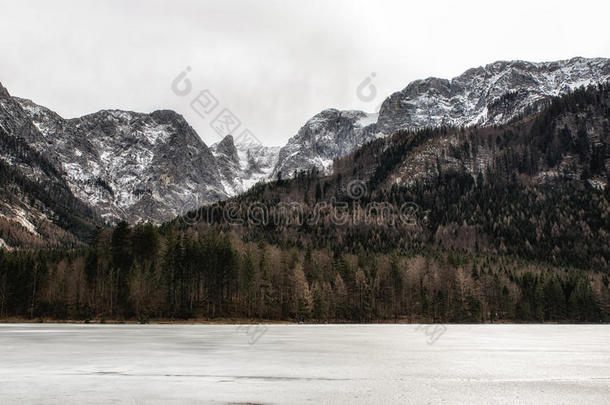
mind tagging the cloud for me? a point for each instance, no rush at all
(273, 63)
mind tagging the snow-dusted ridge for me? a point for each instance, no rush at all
(487, 95)
(126, 164)
(243, 164)
(152, 166)
(326, 136)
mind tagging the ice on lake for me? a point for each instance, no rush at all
(311, 364)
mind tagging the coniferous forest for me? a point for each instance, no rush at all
(138, 273)
(509, 224)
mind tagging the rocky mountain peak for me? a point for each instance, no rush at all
(149, 166)
(126, 164)
(431, 84)
(243, 163)
(326, 136)
(487, 95)
(226, 147)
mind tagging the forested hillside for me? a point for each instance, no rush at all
(38, 210)
(507, 223)
(140, 274)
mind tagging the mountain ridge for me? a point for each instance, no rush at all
(493, 94)
(475, 97)
(154, 166)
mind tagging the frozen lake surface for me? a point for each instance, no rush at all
(188, 364)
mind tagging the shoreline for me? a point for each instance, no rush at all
(247, 321)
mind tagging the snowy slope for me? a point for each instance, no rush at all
(489, 95)
(243, 164)
(328, 135)
(154, 166)
(129, 165)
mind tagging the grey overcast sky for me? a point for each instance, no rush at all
(274, 64)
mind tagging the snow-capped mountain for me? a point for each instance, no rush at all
(154, 166)
(243, 163)
(489, 95)
(17, 127)
(37, 207)
(126, 164)
(328, 135)
(133, 166)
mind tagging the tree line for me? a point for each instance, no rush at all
(524, 238)
(140, 273)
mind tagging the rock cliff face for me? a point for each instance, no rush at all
(37, 207)
(154, 166)
(126, 164)
(325, 137)
(243, 163)
(489, 95)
